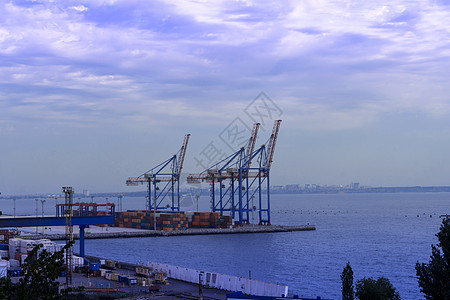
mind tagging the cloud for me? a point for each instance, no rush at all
(332, 65)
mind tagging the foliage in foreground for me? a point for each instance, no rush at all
(380, 289)
(434, 276)
(347, 283)
(40, 277)
(366, 288)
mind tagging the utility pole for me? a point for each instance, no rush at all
(42, 201)
(36, 214)
(197, 196)
(200, 287)
(68, 212)
(119, 203)
(253, 210)
(154, 214)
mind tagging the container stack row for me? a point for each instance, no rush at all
(209, 220)
(168, 221)
(14, 253)
(6, 234)
(142, 219)
(124, 279)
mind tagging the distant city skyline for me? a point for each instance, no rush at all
(93, 93)
(290, 188)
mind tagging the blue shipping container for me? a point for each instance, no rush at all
(130, 280)
(4, 247)
(121, 278)
(15, 273)
(94, 266)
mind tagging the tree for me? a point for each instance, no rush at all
(434, 277)
(347, 283)
(40, 276)
(380, 289)
(6, 288)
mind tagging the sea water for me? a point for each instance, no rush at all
(379, 234)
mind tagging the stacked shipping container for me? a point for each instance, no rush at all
(6, 234)
(210, 220)
(20, 248)
(142, 219)
(168, 221)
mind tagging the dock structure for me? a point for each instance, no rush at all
(85, 215)
(132, 233)
(211, 280)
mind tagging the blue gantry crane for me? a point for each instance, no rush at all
(240, 178)
(163, 181)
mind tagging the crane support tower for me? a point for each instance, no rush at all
(163, 181)
(235, 182)
(68, 213)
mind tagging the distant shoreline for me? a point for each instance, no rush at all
(413, 189)
(274, 190)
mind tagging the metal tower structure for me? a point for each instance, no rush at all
(163, 180)
(68, 213)
(235, 182)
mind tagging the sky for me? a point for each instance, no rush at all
(92, 92)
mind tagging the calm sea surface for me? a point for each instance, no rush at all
(379, 234)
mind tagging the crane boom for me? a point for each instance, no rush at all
(175, 162)
(251, 142)
(183, 153)
(272, 143)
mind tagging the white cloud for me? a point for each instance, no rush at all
(333, 65)
(80, 8)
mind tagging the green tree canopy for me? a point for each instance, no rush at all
(380, 289)
(347, 283)
(40, 276)
(434, 276)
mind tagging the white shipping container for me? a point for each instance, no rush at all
(13, 250)
(14, 263)
(22, 258)
(59, 247)
(4, 253)
(3, 268)
(77, 261)
(44, 241)
(27, 244)
(15, 242)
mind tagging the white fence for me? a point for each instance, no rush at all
(222, 281)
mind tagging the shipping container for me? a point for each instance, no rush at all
(14, 272)
(14, 263)
(3, 268)
(130, 281)
(110, 264)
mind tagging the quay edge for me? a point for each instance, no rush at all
(197, 231)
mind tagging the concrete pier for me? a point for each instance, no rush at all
(95, 232)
